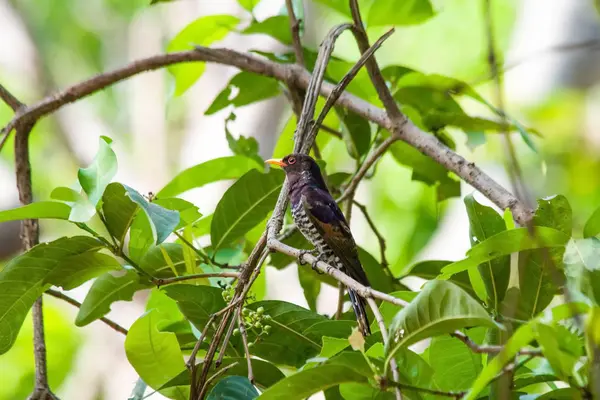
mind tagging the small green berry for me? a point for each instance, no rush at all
(267, 317)
(260, 310)
(267, 328)
(258, 325)
(245, 311)
(236, 332)
(250, 345)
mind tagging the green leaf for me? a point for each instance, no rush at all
(251, 88)
(431, 269)
(155, 355)
(582, 267)
(345, 368)
(356, 132)
(81, 208)
(441, 307)
(106, 290)
(119, 211)
(424, 168)
(400, 12)
(245, 204)
(265, 373)
(27, 276)
(188, 213)
(207, 172)
(560, 347)
(38, 210)
(233, 388)
(568, 393)
(163, 221)
(455, 365)
(160, 260)
(311, 286)
(98, 175)
(197, 303)
(332, 346)
(592, 225)
(536, 266)
(75, 270)
(243, 146)
(520, 339)
(140, 237)
(201, 32)
(248, 4)
(278, 27)
(484, 222)
(504, 243)
(379, 276)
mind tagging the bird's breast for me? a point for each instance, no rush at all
(308, 229)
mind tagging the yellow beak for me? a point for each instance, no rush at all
(276, 161)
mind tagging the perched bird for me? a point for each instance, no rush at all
(321, 221)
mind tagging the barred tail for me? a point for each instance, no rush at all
(358, 304)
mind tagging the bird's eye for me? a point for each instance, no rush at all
(292, 160)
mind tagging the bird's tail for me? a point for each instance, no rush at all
(358, 304)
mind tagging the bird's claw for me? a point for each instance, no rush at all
(314, 264)
(301, 256)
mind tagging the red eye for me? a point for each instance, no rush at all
(291, 160)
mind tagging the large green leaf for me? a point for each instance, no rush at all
(345, 368)
(311, 285)
(207, 172)
(561, 348)
(163, 221)
(155, 355)
(455, 365)
(197, 303)
(504, 243)
(484, 222)
(592, 225)
(246, 203)
(248, 4)
(188, 213)
(582, 267)
(441, 307)
(98, 175)
(119, 211)
(106, 290)
(249, 88)
(536, 267)
(277, 26)
(81, 208)
(431, 269)
(233, 388)
(265, 373)
(379, 276)
(517, 341)
(356, 132)
(200, 32)
(39, 210)
(164, 261)
(400, 12)
(27, 276)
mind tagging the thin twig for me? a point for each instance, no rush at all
(344, 82)
(331, 131)
(380, 238)
(385, 337)
(9, 99)
(295, 30)
(340, 302)
(232, 325)
(73, 302)
(168, 281)
(244, 335)
(213, 377)
(364, 168)
(490, 349)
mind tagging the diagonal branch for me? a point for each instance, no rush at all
(60, 295)
(9, 99)
(295, 30)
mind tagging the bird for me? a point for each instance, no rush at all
(322, 223)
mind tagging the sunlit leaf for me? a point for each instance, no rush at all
(431, 269)
(200, 32)
(246, 203)
(441, 307)
(141, 237)
(356, 132)
(311, 286)
(248, 4)
(38, 210)
(592, 225)
(81, 208)
(249, 88)
(536, 267)
(582, 267)
(484, 222)
(119, 211)
(106, 290)
(95, 178)
(188, 213)
(278, 27)
(207, 172)
(504, 243)
(399, 12)
(155, 355)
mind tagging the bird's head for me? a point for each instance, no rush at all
(299, 166)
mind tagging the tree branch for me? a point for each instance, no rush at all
(295, 30)
(168, 281)
(454, 395)
(380, 238)
(73, 302)
(9, 99)
(242, 326)
(489, 349)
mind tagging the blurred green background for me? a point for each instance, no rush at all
(45, 46)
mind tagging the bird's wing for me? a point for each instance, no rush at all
(327, 217)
